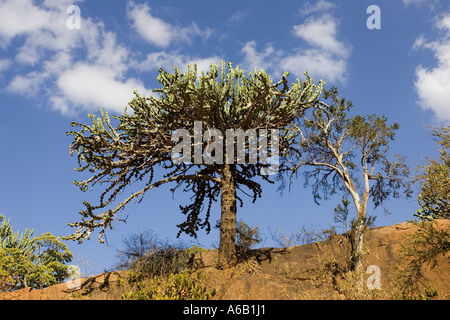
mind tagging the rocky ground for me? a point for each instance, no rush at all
(309, 271)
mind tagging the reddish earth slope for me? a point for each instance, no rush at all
(278, 273)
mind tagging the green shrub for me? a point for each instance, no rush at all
(246, 238)
(185, 285)
(146, 254)
(424, 247)
(27, 261)
(158, 270)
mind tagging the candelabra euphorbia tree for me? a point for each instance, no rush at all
(211, 134)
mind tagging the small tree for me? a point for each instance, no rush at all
(222, 101)
(348, 154)
(434, 177)
(341, 213)
(30, 262)
(9, 239)
(247, 237)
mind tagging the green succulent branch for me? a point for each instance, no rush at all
(140, 144)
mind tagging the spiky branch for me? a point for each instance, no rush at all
(141, 144)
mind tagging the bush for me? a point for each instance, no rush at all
(145, 253)
(161, 271)
(247, 237)
(425, 246)
(185, 285)
(307, 234)
(434, 177)
(30, 262)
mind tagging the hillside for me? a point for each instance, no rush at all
(312, 271)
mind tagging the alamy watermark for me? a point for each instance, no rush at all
(374, 21)
(74, 20)
(74, 278)
(217, 145)
(374, 281)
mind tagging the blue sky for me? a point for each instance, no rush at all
(51, 75)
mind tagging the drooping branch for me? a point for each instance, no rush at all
(105, 219)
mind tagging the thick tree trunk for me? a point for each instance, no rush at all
(227, 244)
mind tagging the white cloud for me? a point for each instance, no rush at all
(92, 87)
(28, 84)
(99, 81)
(253, 59)
(317, 64)
(322, 55)
(54, 53)
(5, 64)
(168, 61)
(158, 32)
(322, 32)
(19, 17)
(408, 2)
(418, 2)
(204, 64)
(319, 6)
(85, 69)
(152, 29)
(419, 42)
(237, 16)
(325, 56)
(433, 84)
(443, 23)
(430, 4)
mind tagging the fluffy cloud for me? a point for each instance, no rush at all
(5, 64)
(97, 78)
(322, 54)
(92, 87)
(28, 84)
(85, 69)
(322, 33)
(433, 84)
(158, 32)
(317, 64)
(19, 17)
(253, 59)
(167, 61)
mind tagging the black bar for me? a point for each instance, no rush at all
(225, 309)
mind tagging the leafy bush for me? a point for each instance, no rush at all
(185, 285)
(434, 177)
(160, 271)
(247, 237)
(425, 246)
(30, 262)
(145, 253)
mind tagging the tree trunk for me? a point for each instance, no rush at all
(357, 234)
(227, 244)
(357, 255)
